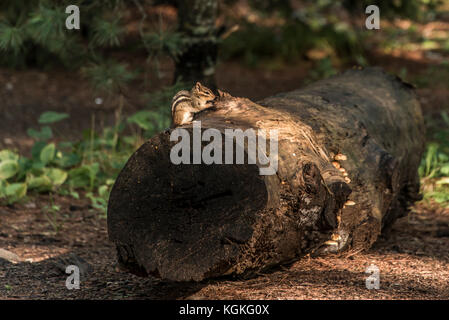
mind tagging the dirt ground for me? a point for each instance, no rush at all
(413, 261)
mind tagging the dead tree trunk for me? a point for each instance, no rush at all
(184, 222)
(199, 55)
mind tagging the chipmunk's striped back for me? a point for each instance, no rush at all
(181, 96)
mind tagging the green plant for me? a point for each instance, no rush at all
(158, 116)
(90, 164)
(33, 34)
(100, 201)
(323, 69)
(19, 174)
(434, 169)
(292, 35)
(108, 76)
(51, 212)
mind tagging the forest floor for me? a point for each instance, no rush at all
(413, 260)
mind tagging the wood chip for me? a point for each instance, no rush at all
(340, 157)
(335, 237)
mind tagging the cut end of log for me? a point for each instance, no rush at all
(193, 215)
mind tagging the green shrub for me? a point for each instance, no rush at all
(90, 164)
(434, 169)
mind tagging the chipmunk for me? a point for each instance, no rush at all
(185, 104)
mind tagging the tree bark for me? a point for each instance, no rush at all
(190, 222)
(199, 57)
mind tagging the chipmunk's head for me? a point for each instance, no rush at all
(202, 96)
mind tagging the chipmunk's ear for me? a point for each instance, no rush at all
(198, 86)
(223, 94)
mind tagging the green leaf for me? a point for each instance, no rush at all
(2, 188)
(142, 119)
(36, 150)
(48, 153)
(84, 176)
(44, 134)
(47, 23)
(52, 117)
(37, 166)
(16, 191)
(11, 38)
(24, 166)
(8, 169)
(93, 169)
(75, 194)
(443, 181)
(68, 160)
(107, 32)
(8, 155)
(79, 177)
(131, 140)
(445, 169)
(443, 157)
(42, 183)
(57, 176)
(441, 198)
(430, 159)
(429, 45)
(103, 191)
(97, 202)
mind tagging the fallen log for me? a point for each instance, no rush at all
(348, 153)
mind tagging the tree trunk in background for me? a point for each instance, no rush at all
(184, 222)
(197, 24)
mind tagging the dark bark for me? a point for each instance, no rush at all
(197, 24)
(184, 222)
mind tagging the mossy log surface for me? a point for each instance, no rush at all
(191, 222)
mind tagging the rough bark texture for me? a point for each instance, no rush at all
(190, 222)
(199, 57)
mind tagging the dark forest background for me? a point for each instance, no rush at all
(132, 56)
